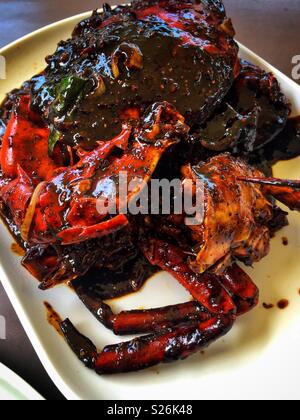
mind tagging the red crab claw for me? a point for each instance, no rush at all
(16, 194)
(205, 289)
(66, 207)
(164, 347)
(50, 208)
(241, 288)
(81, 234)
(217, 293)
(286, 191)
(25, 136)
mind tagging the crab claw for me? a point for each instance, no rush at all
(80, 234)
(233, 291)
(204, 288)
(286, 191)
(17, 193)
(241, 288)
(25, 136)
(75, 204)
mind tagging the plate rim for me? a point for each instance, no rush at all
(19, 384)
(32, 335)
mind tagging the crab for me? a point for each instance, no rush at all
(119, 63)
(153, 90)
(232, 230)
(52, 205)
(98, 88)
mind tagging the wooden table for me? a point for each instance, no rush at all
(269, 27)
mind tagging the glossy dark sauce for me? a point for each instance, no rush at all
(229, 130)
(194, 87)
(257, 91)
(286, 146)
(107, 284)
(53, 318)
(181, 73)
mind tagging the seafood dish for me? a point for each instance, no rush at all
(153, 91)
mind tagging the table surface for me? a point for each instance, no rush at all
(268, 27)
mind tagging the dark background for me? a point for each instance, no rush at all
(268, 27)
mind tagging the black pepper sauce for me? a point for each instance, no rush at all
(107, 284)
(283, 304)
(53, 318)
(259, 91)
(175, 67)
(287, 144)
(183, 85)
(268, 305)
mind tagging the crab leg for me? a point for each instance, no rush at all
(141, 353)
(142, 321)
(145, 321)
(241, 288)
(286, 191)
(81, 345)
(204, 288)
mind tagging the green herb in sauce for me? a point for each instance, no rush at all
(69, 92)
(53, 139)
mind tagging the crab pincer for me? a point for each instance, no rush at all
(205, 288)
(232, 291)
(241, 288)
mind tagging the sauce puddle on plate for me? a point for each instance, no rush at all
(17, 249)
(283, 304)
(53, 318)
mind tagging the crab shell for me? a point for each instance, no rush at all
(134, 56)
(239, 214)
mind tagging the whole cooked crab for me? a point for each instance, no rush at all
(154, 90)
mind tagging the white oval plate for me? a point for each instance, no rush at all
(13, 388)
(259, 359)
